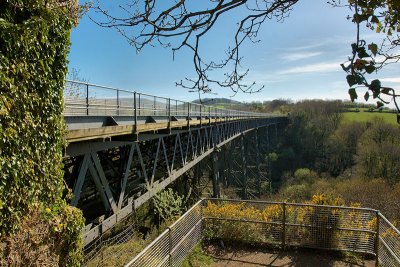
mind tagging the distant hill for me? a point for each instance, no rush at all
(215, 101)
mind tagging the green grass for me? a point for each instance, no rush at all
(369, 116)
(197, 258)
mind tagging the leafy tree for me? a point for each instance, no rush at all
(168, 204)
(341, 147)
(312, 123)
(366, 58)
(378, 152)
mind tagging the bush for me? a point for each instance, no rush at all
(236, 230)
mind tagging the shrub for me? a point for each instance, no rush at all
(247, 232)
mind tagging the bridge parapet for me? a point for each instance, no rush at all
(89, 106)
(85, 99)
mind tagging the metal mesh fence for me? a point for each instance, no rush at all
(275, 223)
(175, 243)
(100, 251)
(389, 243)
(259, 222)
(84, 99)
(330, 227)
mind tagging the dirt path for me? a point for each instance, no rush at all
(229, 257)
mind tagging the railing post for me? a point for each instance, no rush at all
(135, 110)
(117, 102)
(200, 115)
(87, 99)
(154, 106)
(169, 115)
(169, 247)
(188, 115)
(209, 116)
(377, 240)
(283, 225)
(139, 104)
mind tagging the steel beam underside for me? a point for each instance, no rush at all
(209, 138)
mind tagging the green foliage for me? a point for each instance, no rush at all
(272, 156)
(168, 204)
(341, 147)
(297, 187)
(363, 116)
(380, 16)
(34, 42)
(378, 152)
(304, 175)
(197, 258)
(311, 124)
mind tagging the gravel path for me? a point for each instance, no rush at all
(230, 257)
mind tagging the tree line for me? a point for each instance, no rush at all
(319, 153)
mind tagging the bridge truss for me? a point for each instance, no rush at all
(111, 175)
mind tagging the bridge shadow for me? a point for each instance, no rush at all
(235, 256)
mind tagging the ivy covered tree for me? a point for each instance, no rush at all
(37, 226)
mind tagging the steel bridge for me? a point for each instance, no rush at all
(125, 146)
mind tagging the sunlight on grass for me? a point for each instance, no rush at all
(369, 116)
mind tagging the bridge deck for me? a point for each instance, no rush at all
(82, 133)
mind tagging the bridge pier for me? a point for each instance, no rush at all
(216, 174)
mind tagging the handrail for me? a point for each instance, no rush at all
(85, 97)
(390, 242)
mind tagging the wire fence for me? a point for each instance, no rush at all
(175, 243)
(98, 252)
(276, 223)
(84, 99)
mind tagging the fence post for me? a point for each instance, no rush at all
(169, 247)
(283, 224)
(377, 239)
(201, 218)
(87, 99)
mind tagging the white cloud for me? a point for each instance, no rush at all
(312, 68)
(300, 55)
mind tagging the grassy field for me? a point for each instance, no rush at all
(369, 116)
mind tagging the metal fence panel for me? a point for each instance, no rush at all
(389, 243)
(328, 227)
(156, 254)
(288, 224)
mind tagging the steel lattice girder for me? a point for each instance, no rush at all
(125, 174)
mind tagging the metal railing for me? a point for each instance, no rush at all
(84, 99)
(175, 243)
(337, 228)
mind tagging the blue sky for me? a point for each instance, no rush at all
(296, 59)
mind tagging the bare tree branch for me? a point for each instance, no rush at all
(184, 24)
